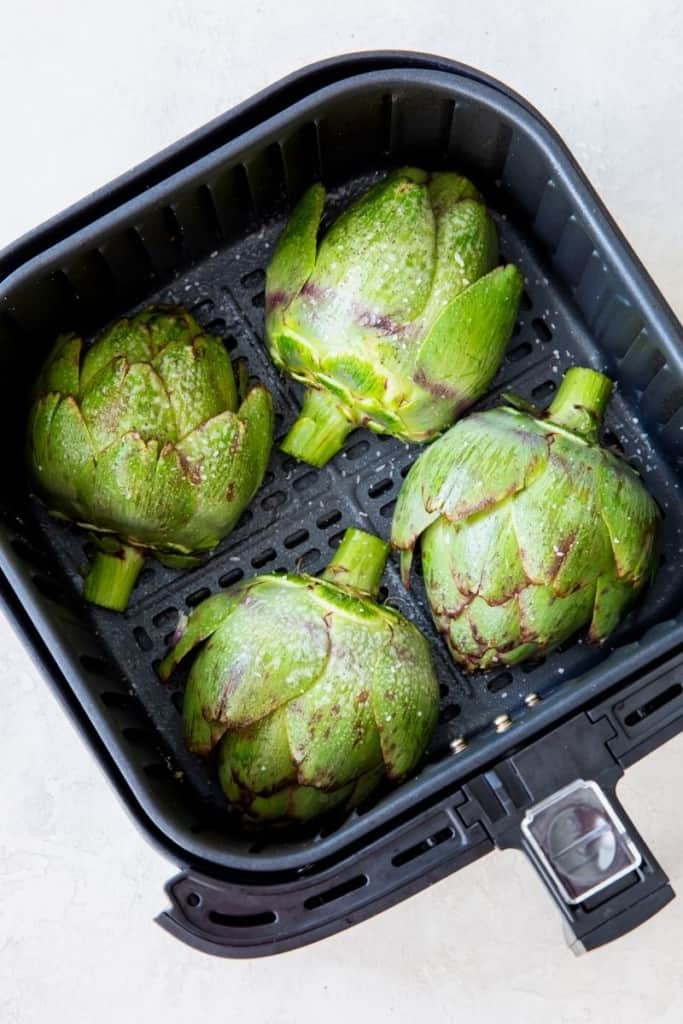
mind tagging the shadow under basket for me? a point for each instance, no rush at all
(196, 226)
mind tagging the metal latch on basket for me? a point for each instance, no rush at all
(579, 842)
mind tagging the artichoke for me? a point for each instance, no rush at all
(530, 530)
(142, 438)
(311, 691)
(398, 321)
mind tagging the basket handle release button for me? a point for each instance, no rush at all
(555, 800)
(594, 863)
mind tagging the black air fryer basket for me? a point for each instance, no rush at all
(528, 757)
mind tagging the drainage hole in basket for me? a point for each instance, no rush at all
(308, 559)
(449, 712)
(254, 279)
(296, 538)
(269, 555)
(335, 540)
(139, 737)
(216, 326)
(168, 617)
(542, 329)
(405, 470)
(610, 440)
(520, 352)
(177, 700)
(444, 690)
(242, 920)
(357, 449)
(119, 701)
(259, 300)
(531, 666)
(230, 342)
(499, 682)
(49, 588)
(544, 390)
(28, 552)
(380, 487)
(142, 639)
(245, 518)
(197, 596)
(654, 704)
(336, 893)
(98, 666)
(193, 899)
(413, 852)
(525, 302)
(231, 577)
(204, 305)
(382, 594)
(302, 483)
(328, 519)
(386, 511)
(273, 501)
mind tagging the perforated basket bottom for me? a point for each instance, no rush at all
(300, 514)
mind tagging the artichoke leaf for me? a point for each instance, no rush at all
(306, 802)
(125, 341)
(256, 412)
(631, 517)
(209, 455)
(62, 368)
(127, 397)
(466, 249)
(613, 597)
(62, 453)
(197, 627)
(405, 698)
(464, 346)
(247, 671)
(484, 459)
(121, 486)
(331, 727)
(294, 257)
(198, 379)
(258, 756)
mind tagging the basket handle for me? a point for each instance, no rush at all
(555, 800)
(593, 862)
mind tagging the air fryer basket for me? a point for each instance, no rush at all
(197, 227)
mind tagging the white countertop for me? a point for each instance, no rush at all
(87, 94)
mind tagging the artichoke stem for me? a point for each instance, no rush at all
(580, 402)
(112, 577)
(358, 562)
(320, 430)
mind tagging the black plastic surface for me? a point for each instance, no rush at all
(200, 232)
(458, 827)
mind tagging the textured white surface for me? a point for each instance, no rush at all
(87, 92)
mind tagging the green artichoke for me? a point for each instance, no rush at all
(530, 530)
(397, 321)
(311, 691)
(143, 438)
